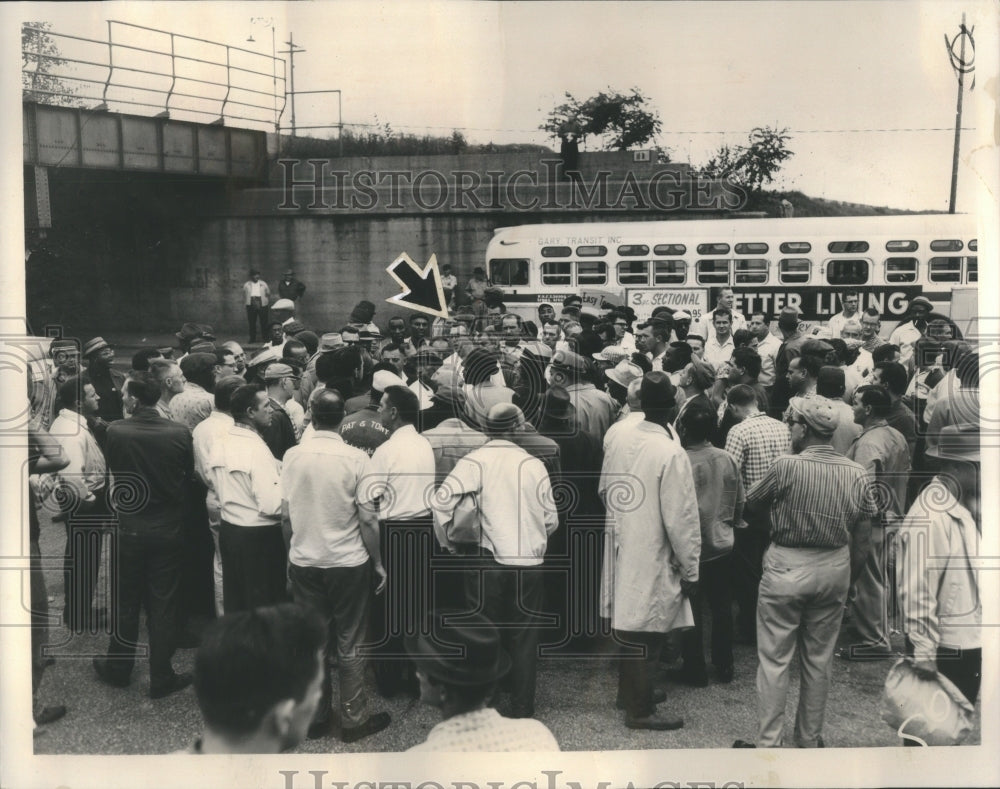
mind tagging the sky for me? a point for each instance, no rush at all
(848, 79)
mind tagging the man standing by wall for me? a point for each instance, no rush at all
(256, 295)
(152, 464)
(291, 288)
(819, 503)
(335, 563)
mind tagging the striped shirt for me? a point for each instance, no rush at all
(755, 443)
(816, 498)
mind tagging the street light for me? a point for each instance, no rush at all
(269, 22)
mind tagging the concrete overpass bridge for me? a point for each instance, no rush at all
(139, 222)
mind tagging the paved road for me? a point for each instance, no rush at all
(575, 699)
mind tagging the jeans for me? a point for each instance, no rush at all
(800, 608)
(147, 574)
(342, 596)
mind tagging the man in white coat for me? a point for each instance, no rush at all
(656, 547)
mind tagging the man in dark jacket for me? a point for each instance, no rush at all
(152, 462)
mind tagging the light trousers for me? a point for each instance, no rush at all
(799, 610)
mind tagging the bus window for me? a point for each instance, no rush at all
(591, 272)
(847, 272)
(946, 245)
(633, 250)
(756, 248)
(670, 249)
(556, 252)
(900, 269)
(795, 247)
(556, 272)
(945, 269)
(509, 271)
(713, 272)
(972, 270)
(633, 272)
(669, 272)
(901, 246)
(751, 271)
(713, 249)
(973, 245)
(848, 246)
(793, 271)
(592, 251)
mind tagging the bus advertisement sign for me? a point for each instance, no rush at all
(820, 303)
(644, 300)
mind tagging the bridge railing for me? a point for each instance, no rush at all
(142, 70)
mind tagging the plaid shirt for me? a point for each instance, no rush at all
(817, 497)
(755, 443)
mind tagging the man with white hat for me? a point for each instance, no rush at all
(820, 506)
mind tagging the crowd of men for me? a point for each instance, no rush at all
(350, 500)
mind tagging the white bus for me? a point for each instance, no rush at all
(769, 263)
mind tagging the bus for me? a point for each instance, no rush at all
(770, 264)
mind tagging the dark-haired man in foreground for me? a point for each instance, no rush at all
(258, 677)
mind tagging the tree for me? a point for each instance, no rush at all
(39, 83)
(622, 120)
(754, 164)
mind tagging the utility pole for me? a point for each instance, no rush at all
(961, 67)
(292, 49)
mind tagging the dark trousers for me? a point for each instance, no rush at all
(512, 598)
(405, 608)
(342, 596)
(255, 315)
(715, 584)
(147, 575)
(748, 561)
(635, 673)
(253, 566)
(81, 567)
(198, 582)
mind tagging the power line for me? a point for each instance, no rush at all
(682, 132)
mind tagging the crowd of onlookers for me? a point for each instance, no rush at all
(377, 496)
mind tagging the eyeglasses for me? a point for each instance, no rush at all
(623, 325)
(790, 421)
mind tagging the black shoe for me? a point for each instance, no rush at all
(320, 729)
(656, 722)
(49, 714)
(725, 674)
(176, 683)
(107, 675)
(659, 696)
(683, 676)
(374, 724)
(743, 744)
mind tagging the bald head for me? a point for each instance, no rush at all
(327, 409)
